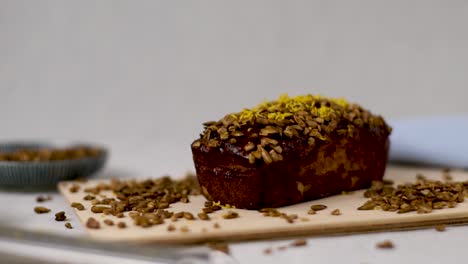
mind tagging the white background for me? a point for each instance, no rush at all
(141, 77)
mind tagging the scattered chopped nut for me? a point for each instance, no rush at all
(318, 207)
(440, 228)
(108, 222)
(171, 228)
(134, 214)
(369, 205)
(146, 200)
(216, 225)
(41, 199)
(268, 251)
(223, 247)
(204, 216)
(336, 212)
(98, 209)
(216, 207)
(78, 206)
(121, 225)
(60, 216)
(68, 225)
(176, 216)
(41, 210)
(386, 244)
(273, 212)
(230, 215)
(299, 243)
(89, 197)
(188, 216)
(119, 215)
(184, 229)
(289, 218)
(207, 210)
(423, 196)
(74, 188)
(282, 247)
(92, 223)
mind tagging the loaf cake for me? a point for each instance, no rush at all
(290, 150)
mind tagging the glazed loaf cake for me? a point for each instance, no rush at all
(290, 150)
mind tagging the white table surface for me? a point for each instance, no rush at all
(142, 157)
(422, 246)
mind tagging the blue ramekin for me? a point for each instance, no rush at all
(40, 173)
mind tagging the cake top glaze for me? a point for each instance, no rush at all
(260, 130)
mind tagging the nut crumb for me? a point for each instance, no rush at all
(41, 210)
(230, 215)
(386, 244)
(188, 216)
(108, 222)
(184, 229)
(289, 218)
(336, 212)
(68, 225)
(89, 197)
(171, 228)
(41, 199)
(204, 216)
(216, 225)
(440, 228)
(74, 188)
(60, 216)
(318, 207)
(92, 223)
(121, 225)
(131, 198)
(311, 212)
(78, 206)
(299, 243)
(98, 209)
(223, 247)
(282, 247)
(119, 215)
(267, 251)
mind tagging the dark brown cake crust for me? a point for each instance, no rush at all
(348, 159)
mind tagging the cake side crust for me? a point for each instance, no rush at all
(305, 173)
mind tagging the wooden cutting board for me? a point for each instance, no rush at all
(253, 225)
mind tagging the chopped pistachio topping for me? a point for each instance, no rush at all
(260, 132)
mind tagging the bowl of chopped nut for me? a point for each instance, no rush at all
(38, 163)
